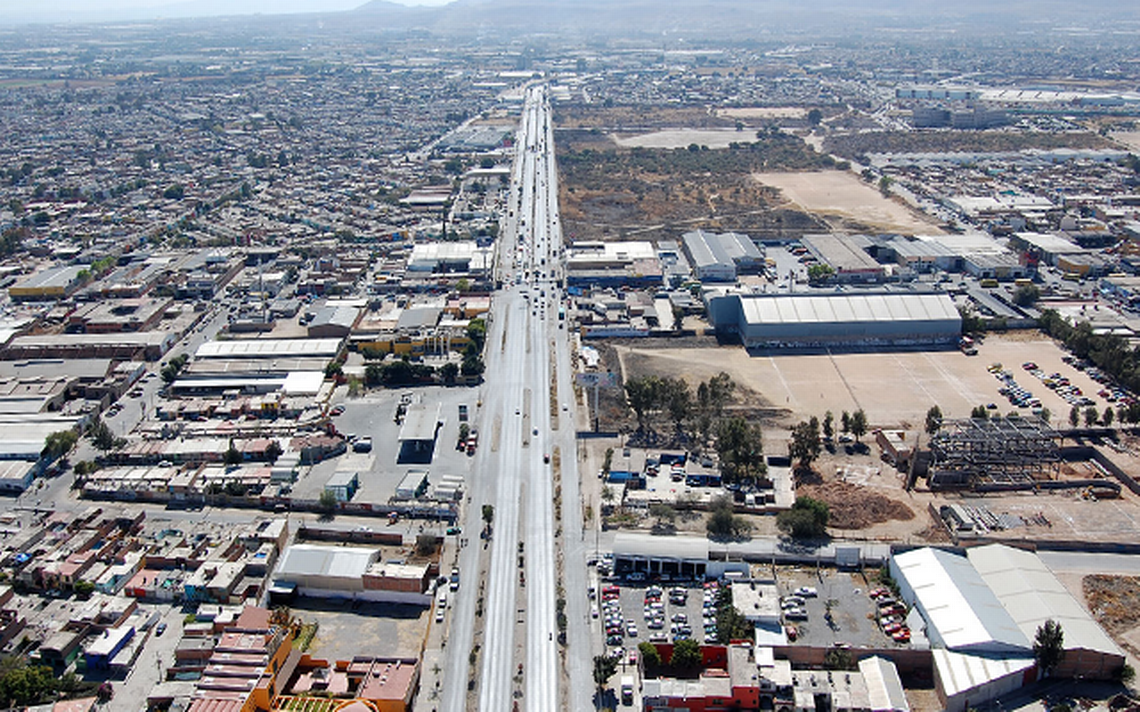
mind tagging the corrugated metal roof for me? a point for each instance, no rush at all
(959, 672)
(958, 605)
(844, 308)
(268, 348)
(338, 561)
(884, 688)
(1032, 594)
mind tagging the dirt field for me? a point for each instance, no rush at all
(1131, 139)
(894, 388)
(764, 112)
(843, 195)
(682, 138)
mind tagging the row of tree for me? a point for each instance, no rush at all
(809, 435)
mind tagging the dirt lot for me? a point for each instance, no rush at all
(840, 194)
(682, 138)
(1131, 139)
(764, 112)
(895, 389)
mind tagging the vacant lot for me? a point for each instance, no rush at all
(764, 112)
(858, 145)
(682, 138)
(840, 194)
(893, 388)
(1131, 139)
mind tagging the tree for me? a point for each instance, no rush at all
(233, 456)
(820, 273)
(1049, 646)
(828, 425)
(328, 501)
(472, 365)
(740, 446)
(979, 412)
(838, 659)
(642, 395)
(663, 513)
(22, 684)
(1074, 416)
(686, 655)
(805, 446)
(101, 435)
(604, 669)
(488, 514)
(845, 422)
(83, 588)
(1108, 416)
(1091, 416)
(650, 658)
(815, 117)
(730, 624)
(933, 420)
(858, 424)
(1026, 295)
(448, 372)
(59, 443)
(677, 400)
(807, 519)
(273, 451)
(723, 522)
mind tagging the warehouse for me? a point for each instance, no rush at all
(720, 257)
(981, 614)
(836, 320)
(464, 257)
(846, 254)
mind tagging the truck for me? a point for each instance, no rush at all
(627, 689)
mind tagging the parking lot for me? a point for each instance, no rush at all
(374, 416)
(853, 612)
(642, 612)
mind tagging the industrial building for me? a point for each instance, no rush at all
(836, 320)
(975, 452)
(847, 255)
(463, 257)
(719, 257)
(613, 264)
(980, 613)
(345, 571)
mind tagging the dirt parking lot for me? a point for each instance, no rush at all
(895, 389)
(391, 630)
(842, 194)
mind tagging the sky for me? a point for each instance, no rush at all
(89, 10)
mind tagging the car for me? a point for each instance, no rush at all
(536, 431)
(806, 592)
(439, 615)
(593, 611)
(160, 629)
(337, 410)
(546, 457)
(454, 530)
(362, 445)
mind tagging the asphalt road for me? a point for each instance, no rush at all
(510, 472)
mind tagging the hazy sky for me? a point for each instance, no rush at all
(87, 10)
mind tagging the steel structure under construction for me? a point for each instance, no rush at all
(997, 451)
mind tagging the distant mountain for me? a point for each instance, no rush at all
(125, 10)
(744, 18)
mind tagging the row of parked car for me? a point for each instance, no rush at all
(891, 615)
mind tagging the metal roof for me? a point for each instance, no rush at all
(267, 348)
(959, 672)
(421, 422)
(959, 608)
(1032, 594)
(884, 688)
(312, 560)
(843, 308)
(647, 546)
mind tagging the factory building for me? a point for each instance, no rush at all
(837, 320)
(719, 257)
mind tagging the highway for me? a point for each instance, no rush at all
(526, 354)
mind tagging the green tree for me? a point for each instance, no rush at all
(664, 514)
(604, 669)
(804, 447)
(650, 658)
(642, 394)
(979, 412)
(472, 365)
(845, 422)
(83, 588)
(820, 273)
(59, 443)
(334, 369)
(449, 372)
(22, 684)
(828, 425)
(273, 451)
(101, 435)
(933, 420)
(740, 447)
(488, 514)
(233, 456)
(1026, 295)
(815, 117)
(1091, 416)
(858, 424)
(723, 522)
(477, 333)
(1074, 416)
(807, 519)
(1049, 646)
(730, 623)
(838, 659)
(686, 655)
(1108, 416)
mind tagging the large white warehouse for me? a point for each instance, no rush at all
(841, 319)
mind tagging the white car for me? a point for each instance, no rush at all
(806, 592)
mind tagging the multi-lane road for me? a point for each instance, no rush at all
(528, 438)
